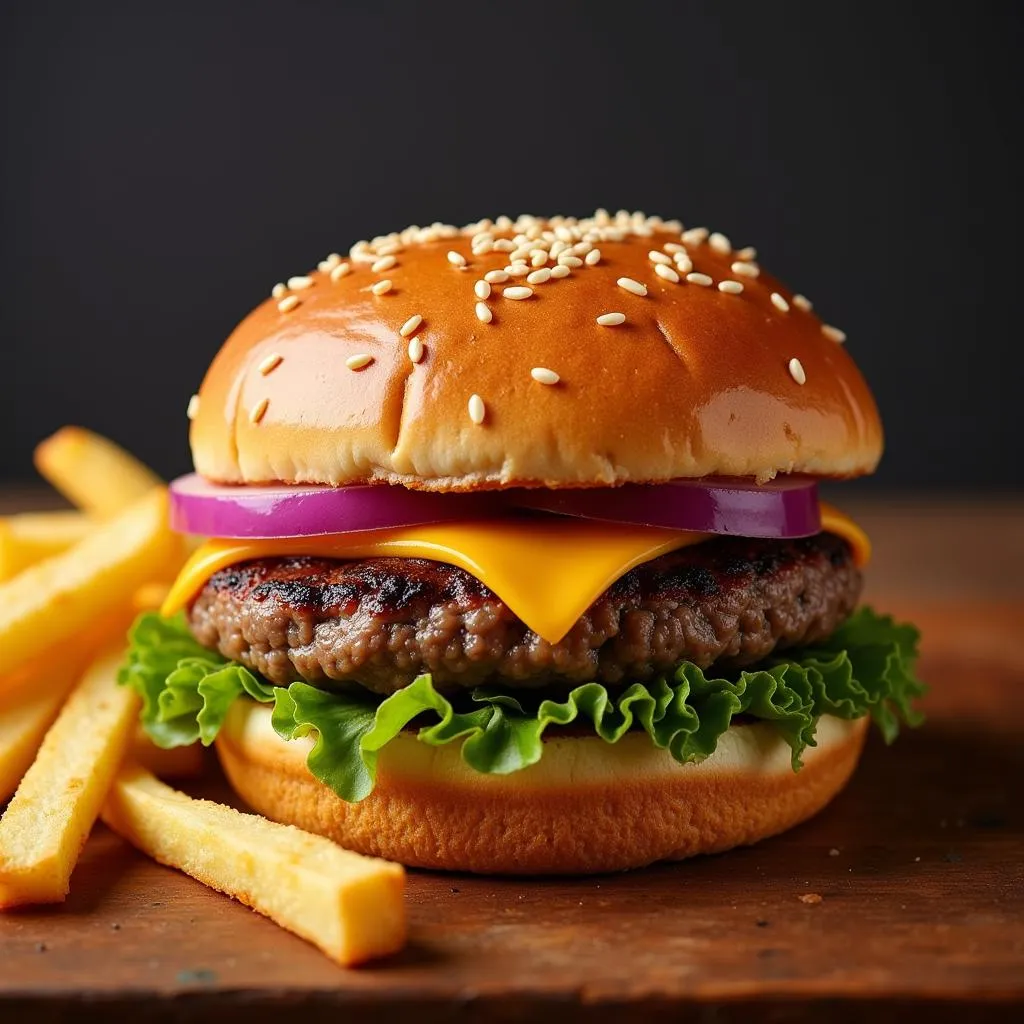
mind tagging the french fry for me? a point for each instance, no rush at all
(29, 537)
(62, 595)
(49, 817)
(93, 472)
(31, 697)
(150, 596)
(175, 763)
(348, 905)
(25, 715)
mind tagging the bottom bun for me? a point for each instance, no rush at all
(587, 806)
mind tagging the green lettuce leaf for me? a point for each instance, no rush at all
(865, 668)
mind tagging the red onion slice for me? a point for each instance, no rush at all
(786, 507)
(305, 510)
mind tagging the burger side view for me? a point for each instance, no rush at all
(516, 561)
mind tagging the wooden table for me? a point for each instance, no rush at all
(920, 866)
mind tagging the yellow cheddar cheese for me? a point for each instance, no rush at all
(548, 571)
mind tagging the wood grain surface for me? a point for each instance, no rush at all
(919, 866)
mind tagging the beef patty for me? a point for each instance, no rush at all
(380, 622)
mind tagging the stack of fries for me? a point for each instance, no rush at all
(70, 746)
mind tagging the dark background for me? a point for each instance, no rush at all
(164, 165)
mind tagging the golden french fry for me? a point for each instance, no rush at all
(62, 595)
(31, 697)
(29, 537)
(49, 817)
(44, 673)
(348, 905)
(176, 763)
(150, 596)
(25, 715)
(93, 472)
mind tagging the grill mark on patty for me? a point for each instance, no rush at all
(383, 586)
(380, 622)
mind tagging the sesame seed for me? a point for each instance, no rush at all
(659, 257)
(456, 259)
(388, 249)
(331, 261)
(560, 271)
(415, 349)
(278, 290)
(695, 236)
(517, 269)
(684, 264)
(566, 260)
(477, 409)
(632, 286)
(802, 302)
(257, 412)
(746, 269)
(287, 304)
(702, 279)
(592, 258)
(796, 371)
(611, 319)
(271, 363)
(483, 313)
(193, 407)
(482, 289)
(381, 287)
(384, 263)
(747, 253)
(730, 287)
(496, 276)
(517, 293)
(504, 245)
(538, 276)
(833, 333)
(410, 325)
(673, 247)
(666, 272)
(779, 302)
(340, 271)
(719, 242)
(358, 362)
(542, 375)
(299, 283)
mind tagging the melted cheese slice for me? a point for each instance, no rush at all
(547, 571)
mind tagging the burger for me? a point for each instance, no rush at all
(514, 556)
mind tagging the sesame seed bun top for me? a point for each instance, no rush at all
(541, 352)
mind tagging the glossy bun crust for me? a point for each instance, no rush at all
(696, 381)
(587, 806)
